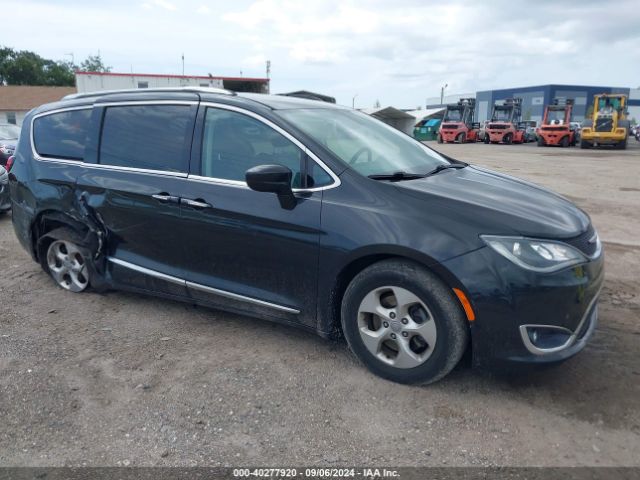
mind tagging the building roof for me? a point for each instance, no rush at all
(22, 97)
(387, 112)
(168, 75)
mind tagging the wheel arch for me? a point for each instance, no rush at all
(363, 259)
(49, 220)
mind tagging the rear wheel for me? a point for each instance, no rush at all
(585, 144)
(507, 139)
(67, 266)
(564, 143)
(541, 142)
(439, 138)
(486, 139)
(403, 323)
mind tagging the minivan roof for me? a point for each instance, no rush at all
(275, 102)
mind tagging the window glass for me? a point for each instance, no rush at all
(362, 142)
(62, 135)
(153, 137)
(11, 118)
(233, 143)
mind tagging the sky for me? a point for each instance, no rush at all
(397, 52)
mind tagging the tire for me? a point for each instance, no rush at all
(564, 143)
(486, 139)
(622, 145)
(439, 138)
(507, 139)
(541, 142)
(65, 261)
(585, 144)
(435, 314)
(462, 137)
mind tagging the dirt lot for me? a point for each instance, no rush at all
(118, 379)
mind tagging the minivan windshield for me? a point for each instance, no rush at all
(364, 143)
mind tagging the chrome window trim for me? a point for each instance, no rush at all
(198, 286)
(570, 341)
(35, 153)
(66, 161)
(284, 133)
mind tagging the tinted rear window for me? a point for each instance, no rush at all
(62, 135)
(152, 137)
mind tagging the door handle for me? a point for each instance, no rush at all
(165, 197)
(198, 204)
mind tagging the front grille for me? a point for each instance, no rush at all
(585, 242)
(604, 124)
(553, 129)
(497, 126)
(450, 126)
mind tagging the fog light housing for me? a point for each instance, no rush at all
(541, 339)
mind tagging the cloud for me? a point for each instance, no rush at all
(400, 52)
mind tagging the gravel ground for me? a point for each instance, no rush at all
(119, 379)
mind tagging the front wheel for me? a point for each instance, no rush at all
(439, 138)
(585, 144)
(487, 139)
(564, 143)
(462, 137)
(507, 139)
(403, 322)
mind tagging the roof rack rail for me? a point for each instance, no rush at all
(101, 93)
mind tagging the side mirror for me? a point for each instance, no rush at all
(274, 179)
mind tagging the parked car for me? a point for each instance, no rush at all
(309, 214)
(9, 134)
(5, 200)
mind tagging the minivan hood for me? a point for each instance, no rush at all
(502, 203)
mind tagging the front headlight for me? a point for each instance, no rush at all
(537, 255)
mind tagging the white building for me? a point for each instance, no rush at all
(97, 81)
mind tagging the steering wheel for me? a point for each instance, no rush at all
(360, 152)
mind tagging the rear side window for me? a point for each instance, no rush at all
(62, 135)
(152, 137)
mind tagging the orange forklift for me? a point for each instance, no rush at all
(504, 126)
(556, 128)
(457, 125)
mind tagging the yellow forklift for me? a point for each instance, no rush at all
(608, 124)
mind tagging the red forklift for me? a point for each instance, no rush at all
(457, 125)
(556, 128)
(505, 126)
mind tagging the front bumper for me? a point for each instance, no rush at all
(508, 300)
(603, 138)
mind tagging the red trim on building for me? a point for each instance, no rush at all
(160, 75)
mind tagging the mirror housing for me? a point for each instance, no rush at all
(274, 179)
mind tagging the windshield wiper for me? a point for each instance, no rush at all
(397, 176)
(446, 166)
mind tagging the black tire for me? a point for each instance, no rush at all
(622, 145)
(541, 142)
(439, 138)
(507, 139)
(486, 139)
(585, 144)
(462, 137)
(564, 143)
(450, 321)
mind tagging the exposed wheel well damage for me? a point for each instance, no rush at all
(83, 224)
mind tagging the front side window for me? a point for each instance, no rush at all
(363, 143)
(233, 143)
(62, 135)
(151, 137)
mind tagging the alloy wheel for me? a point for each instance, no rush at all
(397, 327)
(67, 266)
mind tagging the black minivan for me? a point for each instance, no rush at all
(310, 214)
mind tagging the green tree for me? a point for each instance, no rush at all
(29, 68)
(94, 63)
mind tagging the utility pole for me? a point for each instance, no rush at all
(73, 61)
(183, 64)
(268, 64)
(353, 101)
(442, 93)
